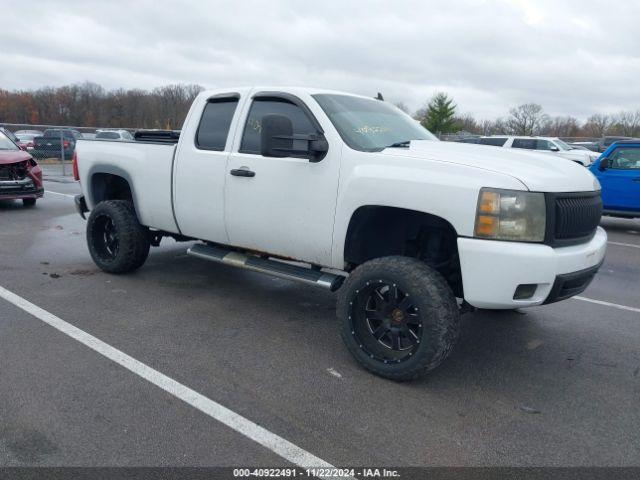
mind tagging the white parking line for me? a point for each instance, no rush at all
(249, 429)
(624, 244)
(607, 304)
(58, 193)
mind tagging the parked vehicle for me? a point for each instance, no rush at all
(35, 133)
(468, 140)
(579, 147)
(409, 230)
(548, 145)
(593, 146)
(25, 140)
(113, 135)
(607, 141)
(618, 171)
(20, 175)
(48, 145)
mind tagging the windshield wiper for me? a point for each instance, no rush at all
(404, 144)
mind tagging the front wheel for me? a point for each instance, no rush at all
(399, 317)
(28, 202)
(117, 242)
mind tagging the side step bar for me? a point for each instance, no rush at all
(264, 265)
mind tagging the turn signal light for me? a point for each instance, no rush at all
(489, 202)
(486, 226)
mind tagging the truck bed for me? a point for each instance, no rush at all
(147, 166)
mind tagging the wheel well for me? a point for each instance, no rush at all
(376, 231)
(107, 186)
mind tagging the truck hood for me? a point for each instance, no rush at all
(539, 172)
(13, 156)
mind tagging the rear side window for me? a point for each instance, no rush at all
(251, 137)
(214, 124)
(495, 141)
(528, 143)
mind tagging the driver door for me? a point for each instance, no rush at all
(284, 206)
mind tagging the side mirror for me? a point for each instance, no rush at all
(278, 140)
(603, 163)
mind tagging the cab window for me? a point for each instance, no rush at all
(214, 124)
(251, 138)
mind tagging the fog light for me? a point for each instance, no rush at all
(525, 291)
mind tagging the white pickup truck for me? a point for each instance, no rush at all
(348, 193)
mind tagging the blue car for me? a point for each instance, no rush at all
(618, 171)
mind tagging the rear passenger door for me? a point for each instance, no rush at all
(200, 170)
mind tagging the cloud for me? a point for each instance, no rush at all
(573, 57)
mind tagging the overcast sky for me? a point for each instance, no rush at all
(573, 57)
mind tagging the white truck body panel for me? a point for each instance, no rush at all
(147, 167)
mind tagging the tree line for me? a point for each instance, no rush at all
(440, 115)
(90, 105)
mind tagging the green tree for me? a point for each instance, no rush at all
(439, 114)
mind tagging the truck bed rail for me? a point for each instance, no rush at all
(157, 136)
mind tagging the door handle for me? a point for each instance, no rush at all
(242, 172)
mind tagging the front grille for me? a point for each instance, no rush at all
(13, 171)
(572, 218)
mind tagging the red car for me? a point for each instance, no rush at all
(20, 175)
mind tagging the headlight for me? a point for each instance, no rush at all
(510, 215)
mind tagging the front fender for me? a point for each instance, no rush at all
(446, 190)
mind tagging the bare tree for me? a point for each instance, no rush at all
(525, 119)
(627, 123)
(597, 125)
(467, 123)
(402, 106)
(561, 127)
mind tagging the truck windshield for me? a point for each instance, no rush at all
(370, 125)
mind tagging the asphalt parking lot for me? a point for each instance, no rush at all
(557, 385)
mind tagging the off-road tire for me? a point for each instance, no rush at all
(133, 238)
(438, 311)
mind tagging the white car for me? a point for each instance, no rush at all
(549, 145)
(349, 193)
(108, 134)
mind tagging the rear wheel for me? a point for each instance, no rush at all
(28, 202)
(400, 319)
(117, 242)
